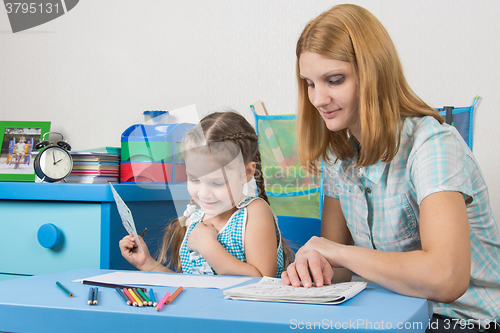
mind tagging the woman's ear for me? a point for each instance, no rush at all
(250, 170)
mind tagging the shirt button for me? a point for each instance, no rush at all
(368, 190)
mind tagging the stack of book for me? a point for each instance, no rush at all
(98, 166)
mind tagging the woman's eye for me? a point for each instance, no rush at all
(309, 83)
(336, 80)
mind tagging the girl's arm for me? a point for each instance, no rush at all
(260, 245)
(141, 260)
(439, 272)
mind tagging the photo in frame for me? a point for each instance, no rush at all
(18, 141)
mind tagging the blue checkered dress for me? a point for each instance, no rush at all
(231, 237)
(381, 206)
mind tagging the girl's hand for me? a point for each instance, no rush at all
(201, 237)
(133, 254)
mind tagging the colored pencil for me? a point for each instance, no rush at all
(139, 302)
(95, 295)
(142, 236)
(123, 296)
(174, 295)
(108, 285)
(143, 294)
(152, 296)
(63, 288)
(162, 302)
(136, 291)
(91, 296)
(130, 297)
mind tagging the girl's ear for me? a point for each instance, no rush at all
(250, 170)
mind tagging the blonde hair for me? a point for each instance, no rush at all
(218, 127)
(351, 33)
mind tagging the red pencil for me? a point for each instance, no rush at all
(134, 302)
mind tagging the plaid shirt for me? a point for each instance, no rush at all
(381, 206)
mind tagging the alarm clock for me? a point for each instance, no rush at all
(54, 162)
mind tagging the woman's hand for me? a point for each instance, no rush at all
(202, 237)
(133, 254)
(313, 262)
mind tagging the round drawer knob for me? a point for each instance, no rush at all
(48, 235)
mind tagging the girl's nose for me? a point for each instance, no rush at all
(204, 190)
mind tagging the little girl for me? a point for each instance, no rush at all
(229, 233)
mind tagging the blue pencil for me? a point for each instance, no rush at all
(91, 296)
(122, 295)
(95, 296)
(152, 296)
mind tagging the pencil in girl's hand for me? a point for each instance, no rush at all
(95, 296)
(91, 296)
(152, 296)
(63, 288)
(142, 236)
(162, 302)
(123, 296)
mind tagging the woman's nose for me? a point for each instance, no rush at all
(320, 97)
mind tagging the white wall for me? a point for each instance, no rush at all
(94, 70)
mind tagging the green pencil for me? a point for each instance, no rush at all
(63, 288)
(143, 294)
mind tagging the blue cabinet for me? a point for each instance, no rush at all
(54, 227)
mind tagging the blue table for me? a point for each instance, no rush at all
(35, 304)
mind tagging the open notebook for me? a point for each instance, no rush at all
(273, 290)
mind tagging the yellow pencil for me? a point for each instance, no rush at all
(139, 302)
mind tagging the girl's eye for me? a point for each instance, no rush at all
(218, 184)
(336, 80)
(193, 180)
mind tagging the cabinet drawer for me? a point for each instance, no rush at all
(79, 224)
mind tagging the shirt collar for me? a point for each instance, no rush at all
(373, 172)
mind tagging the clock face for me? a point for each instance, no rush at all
(55, 163)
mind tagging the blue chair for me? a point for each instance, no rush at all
(462, 118)
(298, 230)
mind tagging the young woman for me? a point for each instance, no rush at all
(400, 183)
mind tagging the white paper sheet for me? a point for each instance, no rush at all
(168, 280)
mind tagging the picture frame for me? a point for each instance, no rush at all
(17, 152)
